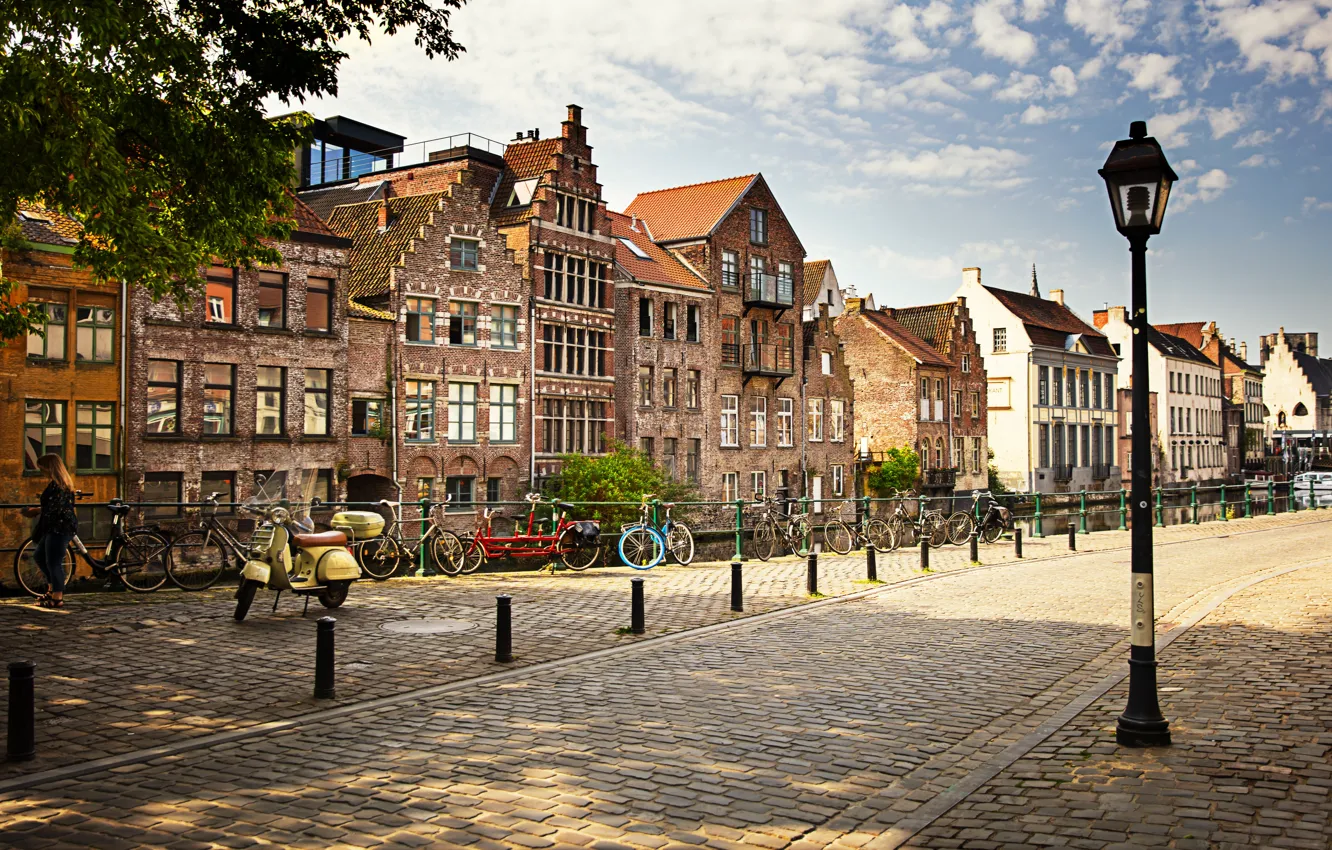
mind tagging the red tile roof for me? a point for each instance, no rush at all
(522, 161)
(912, 344)
(814, 272)
(1049, 323)
(43, 226)
(306, 220)
(375, 254)
(1190, 332)
(931, 322)
(660, 266)
(689, 212)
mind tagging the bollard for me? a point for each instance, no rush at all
(324, 658)
(21, 744)
(739, 529)
(636, 618)
(503, 628)
(1160, 514)
(737, 587)
(871, 564)
(1072, 537)
(812, 574)
(925, 553)
(1082, 511)
(1248, 501)
(1017, 540)
(975, 547)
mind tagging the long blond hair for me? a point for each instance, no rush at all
(54, 466)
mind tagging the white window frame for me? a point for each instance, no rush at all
(785, 422)
(838, 475)
(730, 421)
(730, 486)
(836, 420)
(815, 418)
(758, 483)
(758, 422)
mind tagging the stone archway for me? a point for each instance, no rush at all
(366, 490)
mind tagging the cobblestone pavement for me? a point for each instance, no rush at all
(816, 730)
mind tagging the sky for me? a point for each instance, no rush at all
(907, 140)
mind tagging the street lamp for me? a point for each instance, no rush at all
(1139, 179)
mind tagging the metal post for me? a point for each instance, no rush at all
(812, 574)
(739, 529)
(975, 547)
(809, 526)
(1313, 501)
(1142, 724)
(636, 618)
(1160, 514)
(21, 742)
(503, 628)
(1248, 501)
(1271, 497)
(324, 658)
(871, 564)
(1037, 529)
(421, 549)
(1082, 511)
(925, 554)
(1193, 502)
(1072, 537)
(1224, 518)
(1123, 509)
(737, 587)
(1017, 540)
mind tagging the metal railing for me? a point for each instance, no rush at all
(769, 289)
(769, 358)
(1063, 472)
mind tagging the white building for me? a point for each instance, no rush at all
(1051, 380)
(821, 288)
(1297, 390)
(1188, 387)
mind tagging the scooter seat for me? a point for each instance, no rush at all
(322, 538)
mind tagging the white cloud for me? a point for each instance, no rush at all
(1091, 69)
(1256, 161)
(1020, 86)
(1278, 37)
(1324, 106)
(1312, 204)
(1063, 80)
(998, 37)
(1285, 104)
(1106, 21)
(1040, 115)
(1034, 10)
(1256, 139)
(1168, 129)
(1227, 120)
(918, 268)
(1205, 188)
(968, 169)
(902, 22)
(1153, 73)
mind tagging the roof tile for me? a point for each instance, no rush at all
(689, 212)
(660, 266)
(931, 322)
(1049, 323)
(375, 254)
(814, 272)
(522, 161)
(914, 345)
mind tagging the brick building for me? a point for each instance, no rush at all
(60, 393)
(250, 379)
(829, 452)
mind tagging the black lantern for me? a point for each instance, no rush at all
(1139, 179)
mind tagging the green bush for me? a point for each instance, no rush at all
(898, 471)
(621, 475)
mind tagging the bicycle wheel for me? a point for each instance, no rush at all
(838, 537)
(641, 547)
(960, 525)
(990, 531)
(879, 535)
(935, 530)
(446, 551)
(197, 560)
(796, 533)
(680, 543)
(472, 554)
(904, 532)
(379, 557)
(142, 560)
(765, 539)
(575, 555)
(30, 576)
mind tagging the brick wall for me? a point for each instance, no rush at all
(832, 459)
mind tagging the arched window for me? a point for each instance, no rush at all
(938, 453)
(1300, 410)
(924, 455)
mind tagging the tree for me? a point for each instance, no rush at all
(621, 475)
(995, 483)
(897, 471)
(144, 121)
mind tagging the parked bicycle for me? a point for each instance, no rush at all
(997, 518)
(909, 530)
(200, 555)
(577, 543)
(841, 536)
(959, 525)
(137, 557)
(774, 530)
(381, 556)
(636, 547)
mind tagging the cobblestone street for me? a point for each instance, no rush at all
(965, 708)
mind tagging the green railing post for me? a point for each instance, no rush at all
(1123, 509)
(420, 549)
(1224, 518)
(809, 525)
(1313, 501)
(1036, 527)
(1292, 503)
(1271, 497)
(1193, 502)
(739, 528)
(1160, 514)
(1248, 502)
(1082, 511)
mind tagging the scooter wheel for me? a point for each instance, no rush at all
(334, 595)
(245, 597)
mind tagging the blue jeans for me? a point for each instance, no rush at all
(50, 558)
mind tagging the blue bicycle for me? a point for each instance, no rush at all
(643, 544)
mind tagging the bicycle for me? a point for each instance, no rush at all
(773, 528)
(909, 530)
(959, 525)
(997, 518)
(577, 543)
(641, 545)
(138, 557)
(200, 555)
(380, 557)
(841, 537)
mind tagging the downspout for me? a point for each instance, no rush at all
(948, 413)
(394, 383)
(531, 395)
(1031, 467)
(124, 389)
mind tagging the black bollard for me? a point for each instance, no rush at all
(924, 553)
(812, 574)
(636, 618)
(737, 587)
(21, 744)
(1072, 538)
(503, 629)
(871, 564)
(1017, 540)
(324, 658)
(975, 547)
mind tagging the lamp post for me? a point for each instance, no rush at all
(1139, 179)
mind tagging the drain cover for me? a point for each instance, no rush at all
(427, 627)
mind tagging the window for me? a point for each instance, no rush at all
(317, 385)
(730, 331)
(367, 416)
(815, 419)
(644, 316)
(462, 323)
(1058, 449)
(1084, 378)
(1086, 445)
(319, 304)
(494, 489)
(975, 405)
(573, 426)
(575, 280)
(219, 393)
(957, 404)
(645, 446)
(425, 488)
(730, 420)
(730, 486)
(1096, 443)
(758, 421)
(573, 351)
(644, 386)
(966, 364)
(163, 410)
(463, 255)
(221, 484)
(52, 318)
(669, 384)
(692, 380)
(272, 300)
(503, 413)
(758, 483)
(1043, 441)
(758, 268)
(1043, 385)
(1096, 390)
(462, 412)
(838, 479)
(503, 326)
(1072, 389)
(826, 358)
(419, 412)
(692, 450)
(959, 455)
(837, 425)
(924, 398)
(785, 421)
(220, 292)
(938, 453)
(691, 323)
(730, 270)
(460, 491)
(786, 284)
(94, 436)
(758, 226)
(94, 334)
(976, 455)
(1000, 340)
(43, 431)
(164, 489)
(1058, 386)
(575, 213)
(668, 320)
(421, 320)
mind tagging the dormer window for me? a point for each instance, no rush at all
(521, 195)
(633, 249)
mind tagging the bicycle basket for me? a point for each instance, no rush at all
(587, 532)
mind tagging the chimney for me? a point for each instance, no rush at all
(851, 305)
(971, 276)
(633, 222)
(575, 113)
(572, 127)
(383, 217)
(1100, 317)
(1057, 296)
(1244, 351)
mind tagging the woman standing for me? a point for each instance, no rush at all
(57, 524)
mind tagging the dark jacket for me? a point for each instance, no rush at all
(58, 515)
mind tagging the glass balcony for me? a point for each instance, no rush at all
(769, 290)
(777, 359)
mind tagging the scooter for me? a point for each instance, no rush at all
(287, 554)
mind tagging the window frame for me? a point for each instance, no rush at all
(837, 420)
(213, 277)
(837, 474)
(814, 420)
(209, 384)
(326, 392)
(785, 422)
(731, 486)
(163, 477)
(693, 388)
(364, 419)
(647, 319)
(503, 328)
(93, 327)
(670, 387)
(646, 378)
(758, 422)
(457, 413)
(280, 285)
(730, 340)
(314, 284)
(422, 404)
(463, 315)
(693, 323)
(499, 407)
(999, 341)
(758, 226)
(458, 254)
(730, 421)
(454, 490)
(173, 384)
(758, 483)
(730, 270)
(44, 428)
(413, 323)
(92, 429)
(45, 335)
(669, 316)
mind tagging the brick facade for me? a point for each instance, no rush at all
(830, 457)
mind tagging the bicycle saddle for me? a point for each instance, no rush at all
(564, 506)
(118, 508)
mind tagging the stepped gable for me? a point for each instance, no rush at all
(522, 161)
(918, 348)
(933, 323)
(375, 252)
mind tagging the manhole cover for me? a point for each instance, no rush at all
(427, 627)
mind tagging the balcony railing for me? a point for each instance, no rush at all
(731, 353)
(1063, 473)
(768, 290)
(1100, 471)
(946, 478)
(769, 359)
